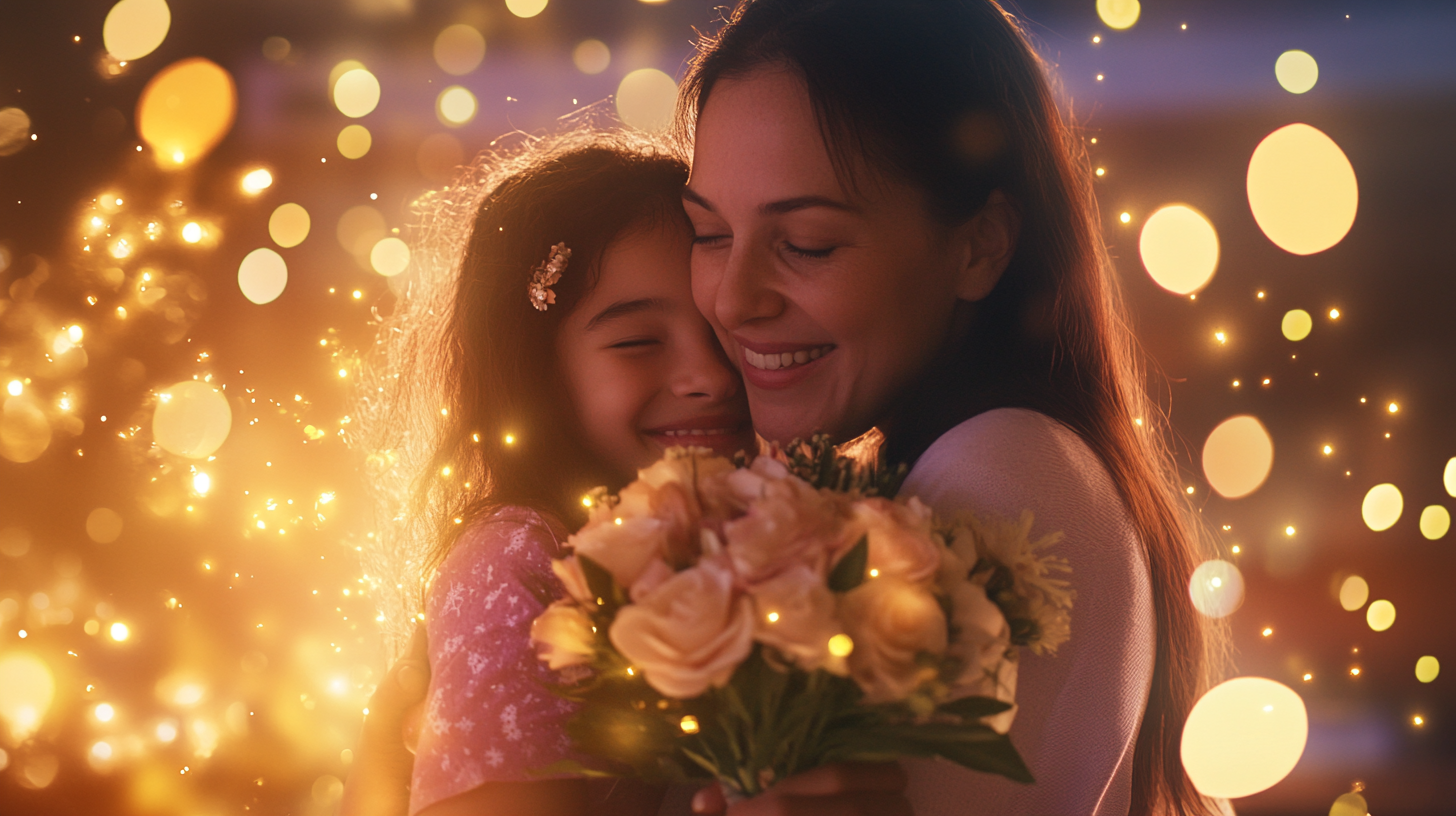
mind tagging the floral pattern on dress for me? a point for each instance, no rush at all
(489, 716)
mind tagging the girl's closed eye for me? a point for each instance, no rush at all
(635, 343)
(809, 251)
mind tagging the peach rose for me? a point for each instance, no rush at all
(688, 633)
(568, 571)
(624, 549)
(981, 639)
(794, 613)
(563, 635)
(900, 541)
(891, 621)
(788, 523)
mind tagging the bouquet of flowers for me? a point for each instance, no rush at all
(745, 622)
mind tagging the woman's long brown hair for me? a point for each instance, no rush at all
(951, 96)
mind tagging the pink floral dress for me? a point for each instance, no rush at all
(489, 714)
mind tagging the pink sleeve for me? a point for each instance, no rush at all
(1078, 711)
(489, 714)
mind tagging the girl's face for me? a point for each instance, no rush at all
(831, 301)
(642, 367)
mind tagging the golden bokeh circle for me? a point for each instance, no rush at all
(1382, 507)
(389, 257)
(192, 419)
(459, 49)
(591, 56)
(288, 225)
(1435, 522)
(14, 132)
(354, 141)
(1243, 736)
(526, 8)
(135, 28)
(1302, 189)
(1350, 804)
(1119, 14)
(1380, 615)
(1448, 477)
(1296, 325)
(456, 106)
(1354, 592)
(1216, 588)
(103, 525)
(646, 99)
(1296, 71)
(1179, 248)
(1237, 456)
(27, 689)
(185, 110)
(262, 276)
(24, 431)
(1428, 668)
(359, 229)
(356, 93)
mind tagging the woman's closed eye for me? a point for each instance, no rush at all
(809, 252)
(710, 240)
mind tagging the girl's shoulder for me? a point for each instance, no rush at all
(510, 539)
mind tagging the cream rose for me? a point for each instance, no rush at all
(563, 635)
(624, 549)
(794, 613)
(688, 633)
(891, 621)
(901, 544)
(981, 639)
(789, 523)
(568, 571)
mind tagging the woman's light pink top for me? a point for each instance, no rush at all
(1079, 710)
(489, 716)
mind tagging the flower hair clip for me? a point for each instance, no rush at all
(545, 275)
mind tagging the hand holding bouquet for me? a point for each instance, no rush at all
(748, 622)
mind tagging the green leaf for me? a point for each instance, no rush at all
(850, 571)
(974, 708)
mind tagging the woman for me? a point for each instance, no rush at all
(895, 227)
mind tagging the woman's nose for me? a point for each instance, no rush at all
(745, 291)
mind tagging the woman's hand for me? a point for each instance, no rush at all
(378, 783)
(845, 789)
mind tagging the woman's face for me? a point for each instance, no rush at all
(831, 300)
(642, 367)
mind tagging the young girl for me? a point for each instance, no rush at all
(570, 355)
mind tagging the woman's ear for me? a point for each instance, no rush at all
(988, 240)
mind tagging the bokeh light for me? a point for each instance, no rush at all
(1435, 522)
(526, 8)
(262, 275)
(1350, 804)
(1217, 588)
(1382, 507)
(103, 525)
(104, 712)
(356, 93)
(1380, 615)
(1428, 668)
(14, 541)
(134, 28)
(359, 229)
(646, 99)
(455, 106)
(26, 691)
(1237, 456)
(192, 419)
(120, 631)
(1296, 71)
(288, 225)
(256, 181)
(1302, 189)
(24, 431)
(1119, 13)
(591, 56)
(459, 49)
(185, 110)
(1354, 592)
(389, 257)
(1179, 248)
(1244, 736)
(354, 141)
(1296, 324)
(1448, 477)
(14, 130)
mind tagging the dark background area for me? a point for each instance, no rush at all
(260, 620)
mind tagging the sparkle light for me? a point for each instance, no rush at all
(1216, 588)
(192, 232)
(120, 631)
(1296, 324)
(1119, 14)
(256, 181)
(646, 99)
(104, 712)
(26, 691)
(526, 8)
(356, 93)
(1427, 668)
(1179, 249)
(1302, 189)
(689, 724)
(1237, 456)
(841, 645)
(134, 28)
(166, 731)
(289, 225)
(1296, 71)
(354, 141)
(1435, 522)
(201, 483)
(1382, 507)
(389, 257)
(459, 49)
(1243, 736)
(1354, 592)
(192, 420)
(456, 106)
(262, 276)
(185, 110)
(591, 56)
(1380, 615)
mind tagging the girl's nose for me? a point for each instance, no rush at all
(703, 371)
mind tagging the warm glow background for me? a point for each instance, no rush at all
(191, 243)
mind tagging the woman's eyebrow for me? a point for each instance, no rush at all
(622, 308)
(786, 205)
